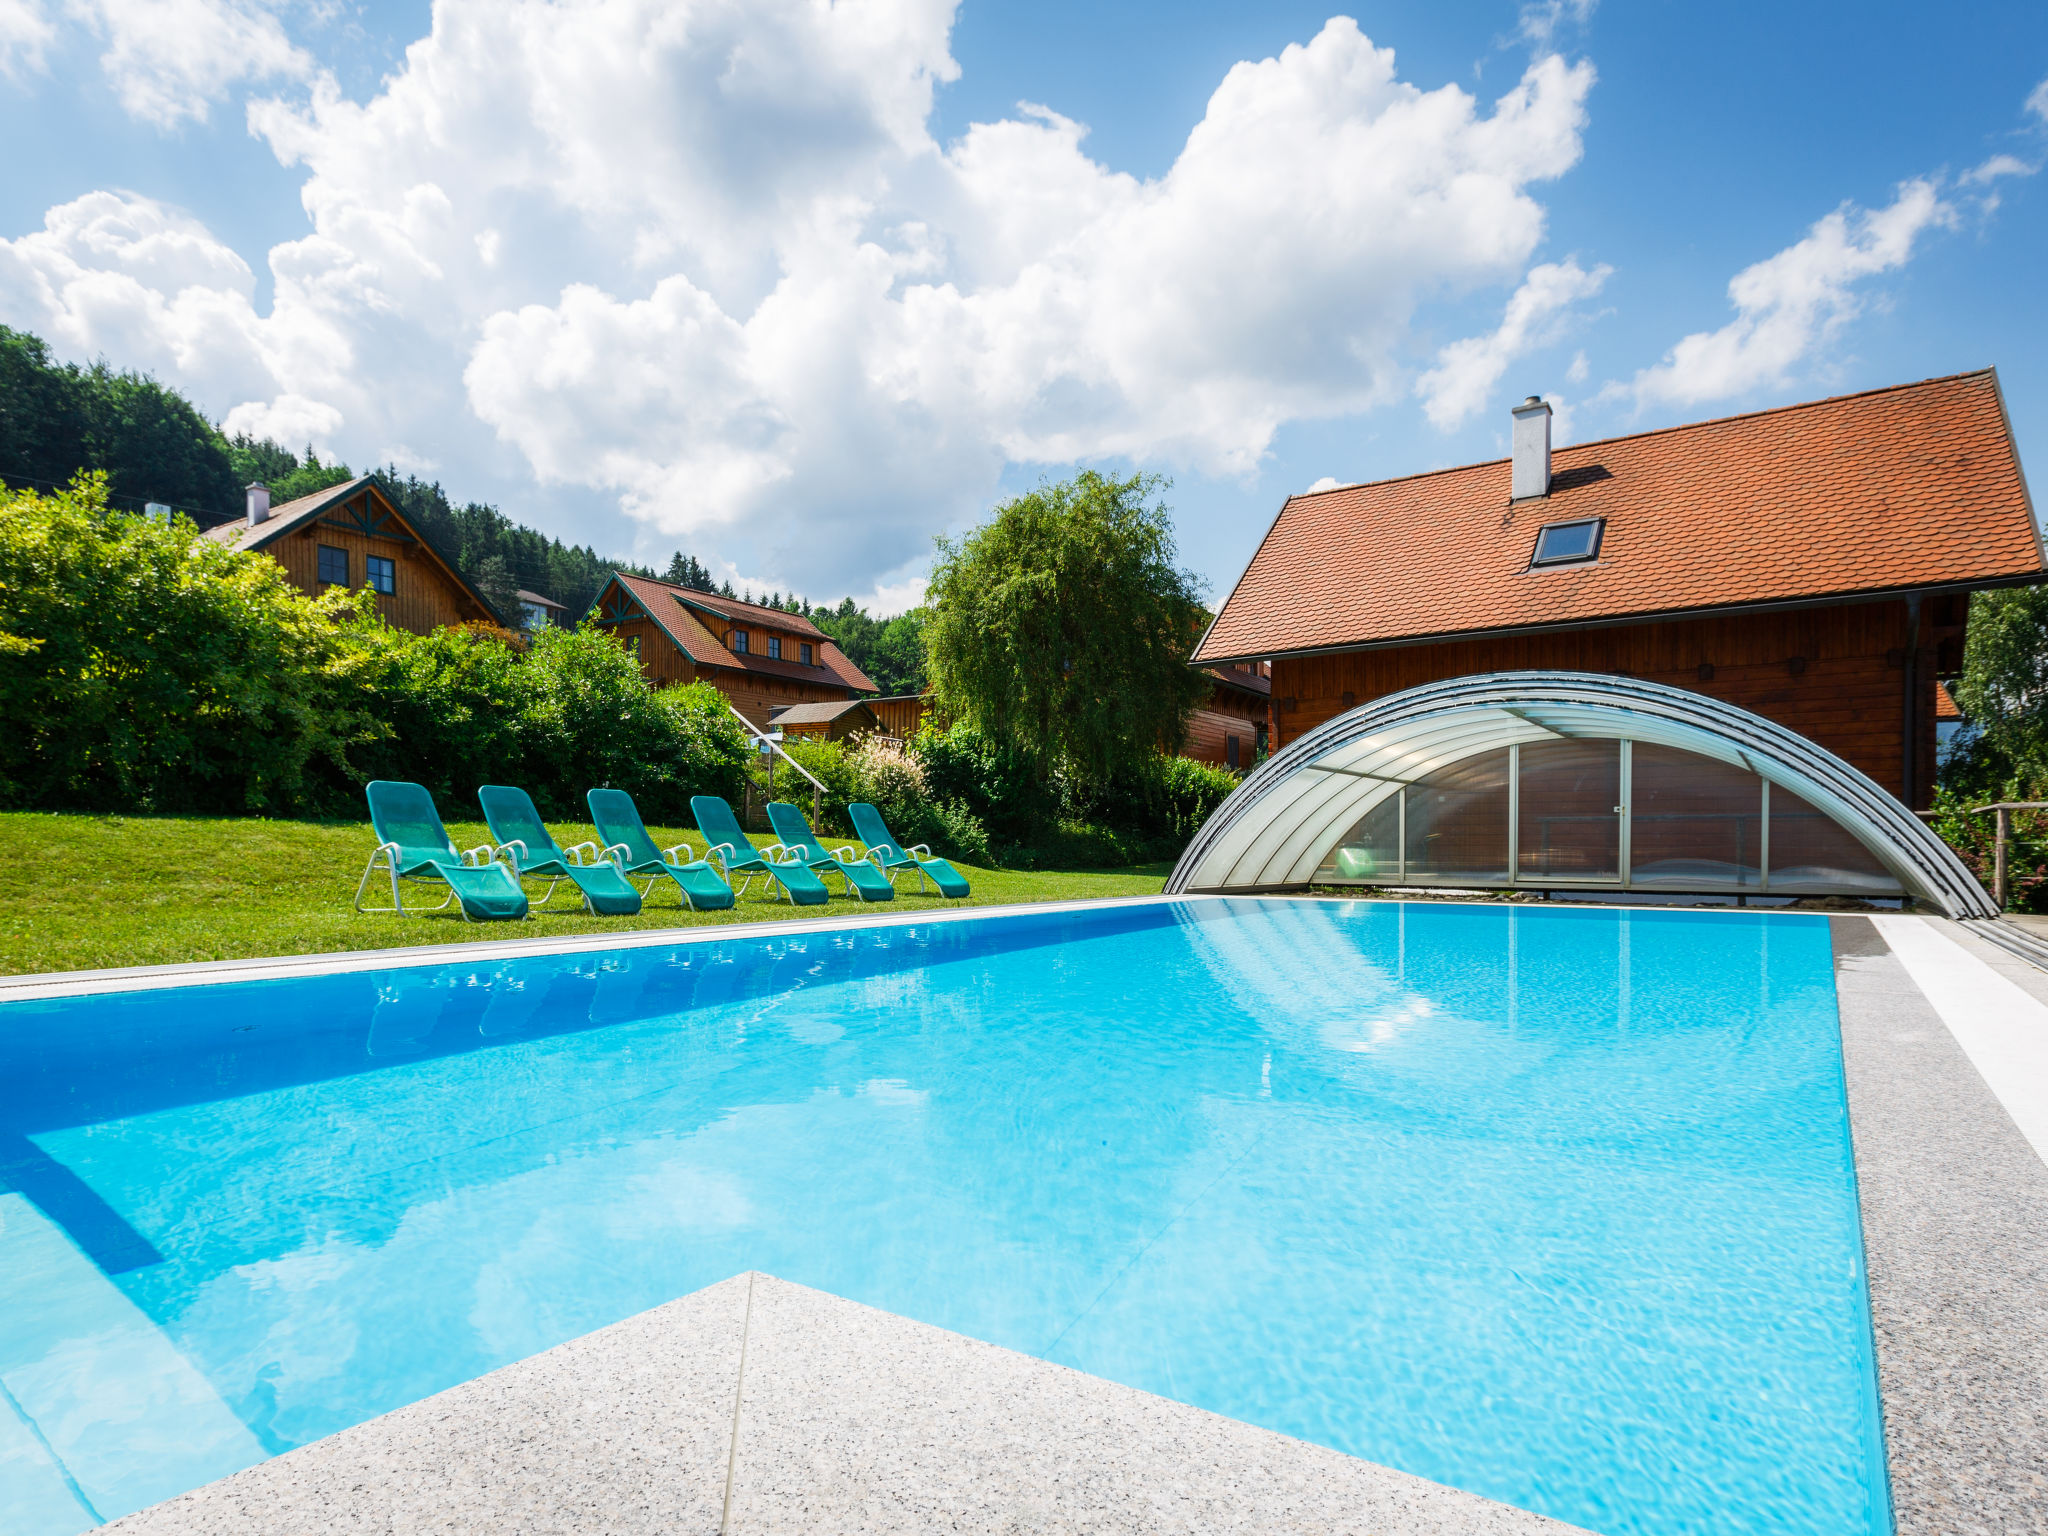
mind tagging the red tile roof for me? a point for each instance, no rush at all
(672, 606)
(1914, 486)
(1945, 706)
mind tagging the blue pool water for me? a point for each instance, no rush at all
(1552, 1204)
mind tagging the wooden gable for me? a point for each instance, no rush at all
(426, 592)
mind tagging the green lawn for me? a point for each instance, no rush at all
(81, 892)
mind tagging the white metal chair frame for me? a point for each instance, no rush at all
(516, 852)
(476, 858)
(845, 854)
(618, 853)
(918, 854)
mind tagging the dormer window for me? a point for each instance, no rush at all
(1573, 543)
(775, 647)
(736, 642)
(804, 654)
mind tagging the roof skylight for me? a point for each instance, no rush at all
(1568, 543)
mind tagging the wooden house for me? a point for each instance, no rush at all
(833, 720)
(761, 658)
(351, 535)
(1811, 564)
(1230, 728)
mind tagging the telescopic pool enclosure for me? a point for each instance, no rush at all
(1570, 781)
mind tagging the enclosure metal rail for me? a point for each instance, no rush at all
(774, 746)
(2005, 808)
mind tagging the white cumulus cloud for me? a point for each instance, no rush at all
(1793, 302)
(169, 60)
(704, 257)
(1467, 371)
(25, 31)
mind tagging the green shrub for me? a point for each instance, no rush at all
(998, 785)
(145, 668)
(895, 783)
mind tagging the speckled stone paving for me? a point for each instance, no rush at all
(849, 1420)
(1955, 1231)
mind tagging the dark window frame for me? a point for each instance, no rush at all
(805, 653)
(775, 647)
(1540, 561)
(380, 574)
(736, 642)
(322, 563)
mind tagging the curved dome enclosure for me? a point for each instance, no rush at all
(1565, 780)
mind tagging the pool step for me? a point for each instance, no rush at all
(756, 1405)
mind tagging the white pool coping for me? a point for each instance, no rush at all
(209, 973)
(206, 973)
(2002, 1029)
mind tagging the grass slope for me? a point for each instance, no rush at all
(83, 892)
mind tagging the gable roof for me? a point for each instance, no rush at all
(1909, 488)
(676, 610)
(819, 714)
(1945, 706)
(290, 516)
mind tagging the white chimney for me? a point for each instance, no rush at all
(1531, 449)
(259, 498)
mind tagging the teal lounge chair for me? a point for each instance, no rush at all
(413, 845)
(862, 878)
(628, 846)
(525, 842)
(891, 855)
(732, 852)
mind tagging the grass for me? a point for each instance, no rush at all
(83, 892)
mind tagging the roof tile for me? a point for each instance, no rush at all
(1916, 485)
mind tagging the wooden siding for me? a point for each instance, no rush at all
(1836, 675)
(1209, 733)
(900, 717)
(662, 661)
(427, 597)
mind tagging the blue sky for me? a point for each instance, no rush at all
(727, 278)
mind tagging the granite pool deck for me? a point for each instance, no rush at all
(759, 1405)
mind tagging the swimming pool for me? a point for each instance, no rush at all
(1552, 1204)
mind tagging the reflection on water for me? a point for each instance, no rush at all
(1554, 1205)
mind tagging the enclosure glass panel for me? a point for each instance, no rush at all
(1811, 854)
(1695, 824)
(1372, 849)
(1458, 821)
(1569, 826)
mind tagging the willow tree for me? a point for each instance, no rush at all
(1062, 626)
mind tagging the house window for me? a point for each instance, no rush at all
(736, 642)
(333, 566)
(380, 574)
(1230, 751)
(804, 654)
(1568, 543)
(775, 647)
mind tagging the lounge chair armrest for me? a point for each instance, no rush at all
(920, 851)
(516, 848)
(576, 854)
(480, 855)
(848, 854)
(668, 855)
(617, 854)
